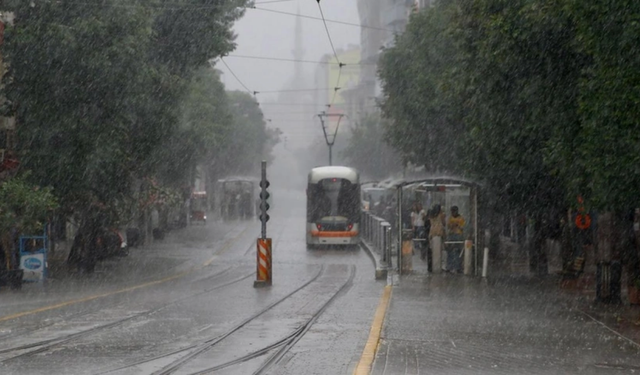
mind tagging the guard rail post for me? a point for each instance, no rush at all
(363, 224)
(387, 248)
(369, 226)
(374, 232)
(379, 233)
(385, 241)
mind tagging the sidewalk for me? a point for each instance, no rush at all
(178, 252)
(456, 324)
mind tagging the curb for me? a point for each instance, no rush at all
(381, 273)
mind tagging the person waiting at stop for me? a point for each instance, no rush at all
(436, 234)
(455, 230)
(418, 216)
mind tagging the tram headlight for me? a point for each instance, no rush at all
(350, 226)
(319, 226)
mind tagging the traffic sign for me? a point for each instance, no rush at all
(264, 184)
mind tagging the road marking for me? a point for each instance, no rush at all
(370, 349)
(225, 247)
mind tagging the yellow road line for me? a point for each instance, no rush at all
(128, 289)
(370, 349)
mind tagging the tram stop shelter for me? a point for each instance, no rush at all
(447, 191)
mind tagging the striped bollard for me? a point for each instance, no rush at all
(264, 263)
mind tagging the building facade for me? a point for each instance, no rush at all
(329, 76)
(382, 20)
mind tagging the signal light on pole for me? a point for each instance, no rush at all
(264, 243)
(264, 205)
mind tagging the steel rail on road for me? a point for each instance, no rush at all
(43, 345)
(208, 344)
(286, 343)
(295, 337)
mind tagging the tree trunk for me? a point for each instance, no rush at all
(538, 260)
(7, 248)
(163, 215)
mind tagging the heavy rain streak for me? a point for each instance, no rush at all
(319, 187)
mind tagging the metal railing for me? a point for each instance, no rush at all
(376, 232)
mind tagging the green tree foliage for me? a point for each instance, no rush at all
(24, 206)
(524, 74)
(205, 124)
(489, 82)
(77, 80)
(99, 85)
(188, 33)
(249, 140)
(606, 145)
(424, 119)
(107, 94)
(540, 95)
(368, 152)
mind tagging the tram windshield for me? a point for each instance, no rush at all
(333, 198)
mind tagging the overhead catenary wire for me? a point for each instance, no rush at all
(295, 60)
(236, 77)
(164, 6)
(335, 90)
(273, 1)
(326, 28)
(336, 62)
(288, 104)
(320, 19)
(335, 54)
(190, 7)
(293, 90)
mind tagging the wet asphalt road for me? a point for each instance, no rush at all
(187, 305)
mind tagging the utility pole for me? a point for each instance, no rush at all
(330, 138)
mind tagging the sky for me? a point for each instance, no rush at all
(262, 33)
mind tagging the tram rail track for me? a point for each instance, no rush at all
(210, 343)
(44, 345)
(90, 311)
(283, 345)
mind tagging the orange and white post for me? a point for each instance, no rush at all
(264, 262)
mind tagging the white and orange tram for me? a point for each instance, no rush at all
(333, 206)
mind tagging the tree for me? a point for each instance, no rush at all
(424, 118)
(96, 88)
(205, 124)
(249, 141)
(605, 148)
(190, 33)
(368, 151)
(77, 80)
(501, 80)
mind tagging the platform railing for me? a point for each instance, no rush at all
(376, 231)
